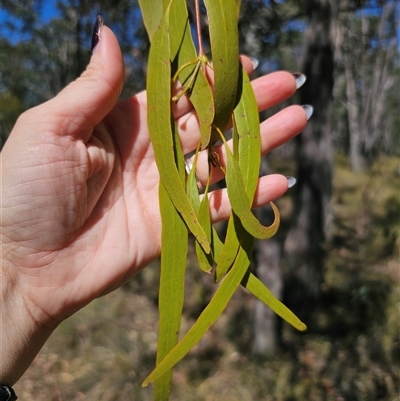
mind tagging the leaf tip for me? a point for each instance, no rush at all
(146, 382)
(301, 327)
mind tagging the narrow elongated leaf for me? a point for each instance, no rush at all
(247, 126)
(240, 201)
(192, 190)
(174, 247)
(217, 245)
(247, 149)
(202, 208)
(205, 260)
(178, 26)
(238, 4)
(230, 248)
(159, 112)
(222, 19)
(174, 244)
(210, 314)
(259, 290)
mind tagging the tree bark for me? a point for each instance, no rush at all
(267, 266)
(265, 329)
(304, 245)
(367, 53)
(352, 103)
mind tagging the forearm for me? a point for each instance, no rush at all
(21, 334)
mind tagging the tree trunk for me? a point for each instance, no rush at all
(267, 266)
(353, 105)
(367, 52)
(265, 337)
(304, 245)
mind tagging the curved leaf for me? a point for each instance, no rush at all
(240, 201)
(247, 148)
(259, 290)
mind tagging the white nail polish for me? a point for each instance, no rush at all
(255, 62)
(291, 181)
(309, 110)
(300, 79)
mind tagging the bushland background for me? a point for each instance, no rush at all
(335, 260)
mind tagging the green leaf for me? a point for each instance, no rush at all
(152, 13)
(230, 248)
(238, 4)
(259, 290)
(247, 126)
(192, 190)
(240, 201)
(174, 244)
(205, 260)
(210, 314)
(174, 247)
(222, 19)
(217, 244)
(159, 114)
(247, 149)
(202, 208)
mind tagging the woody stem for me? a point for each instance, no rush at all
(198, 26)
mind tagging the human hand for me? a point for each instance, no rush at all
(80, 212)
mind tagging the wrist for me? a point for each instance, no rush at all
(23, 330)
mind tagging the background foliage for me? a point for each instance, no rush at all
(347, 269)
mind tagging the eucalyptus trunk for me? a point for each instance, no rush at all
(304, 245)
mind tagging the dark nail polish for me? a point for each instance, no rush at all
(97, 31)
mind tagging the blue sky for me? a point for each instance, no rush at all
(49, 11)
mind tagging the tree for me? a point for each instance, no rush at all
(366, 49)
(49, 55)
(304, 252)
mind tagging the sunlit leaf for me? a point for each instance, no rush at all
(210, 314)
(159, 114)
(222, 19)
(247, 149)
(259, 290)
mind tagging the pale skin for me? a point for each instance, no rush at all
(79, 210)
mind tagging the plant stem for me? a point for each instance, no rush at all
(198, 26)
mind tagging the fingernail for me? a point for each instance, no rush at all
(309, 110)
(255, 62)
(188, 166)
(291, 181)
(96, 34)
(300, 79)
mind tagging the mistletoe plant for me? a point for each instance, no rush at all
(229, 100)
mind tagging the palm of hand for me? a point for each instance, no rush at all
(85, 207)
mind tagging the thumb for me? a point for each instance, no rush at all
(86, 101)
